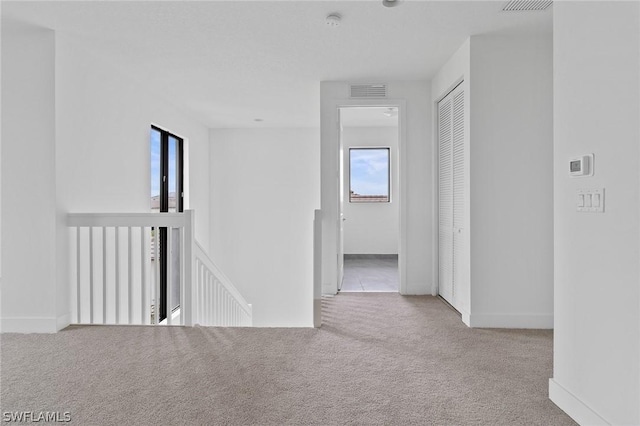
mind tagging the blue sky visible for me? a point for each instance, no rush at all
(172, 164)
(369, 171)
(155, 163)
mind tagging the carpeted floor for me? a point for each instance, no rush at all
(379, 358)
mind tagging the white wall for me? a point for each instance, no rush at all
(371, 228)
(29, 299)
(103, 149)
(78, 141)
(416, 180)
(596, 376)
(265, 187)
(508, 277)
(511, 181)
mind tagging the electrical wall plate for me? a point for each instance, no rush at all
(581, 166)
(590, 200)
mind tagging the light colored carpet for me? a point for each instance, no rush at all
(379, 358)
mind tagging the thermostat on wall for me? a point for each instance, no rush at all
(581, 166)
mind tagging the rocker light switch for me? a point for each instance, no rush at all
(590, 200)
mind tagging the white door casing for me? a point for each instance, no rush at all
(330, 160)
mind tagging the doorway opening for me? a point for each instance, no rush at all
(369, 199)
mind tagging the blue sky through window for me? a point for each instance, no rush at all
(369, 168)
(173, 146)
(155, 163)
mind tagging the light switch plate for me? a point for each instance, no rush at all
(596, 196)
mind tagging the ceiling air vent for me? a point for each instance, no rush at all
(525, 6)
(368, 91)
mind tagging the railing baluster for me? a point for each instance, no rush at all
(227, 303)
(104, 274)
(201, 301)
(218, 311)
(169, 274)
(215, 320)
(207, 299)
(224, 309)
(91, 275)
(215, 296)
(218, 303)
(183, 302)
(228, 309)
(130, 275)
(215, 313)
(117, 282)
(143, 277)
(156, 262)
(78, 278)
(205, 296)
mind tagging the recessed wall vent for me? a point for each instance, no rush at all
(526, 5)
(368, 91)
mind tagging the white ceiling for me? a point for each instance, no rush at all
(230, 62)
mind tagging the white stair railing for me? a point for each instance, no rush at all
(218, 302)
(115, 274)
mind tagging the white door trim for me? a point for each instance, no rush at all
(330, 168)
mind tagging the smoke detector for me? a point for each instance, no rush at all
(333, 20)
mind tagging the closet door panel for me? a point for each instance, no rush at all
(458, 195)
(445, 193)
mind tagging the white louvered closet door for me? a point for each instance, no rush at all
(445, 221)
(451, 193)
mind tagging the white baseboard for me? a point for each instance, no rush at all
(416, 289)
(63, 321)
(536, 321)
(29, 325)
(571, 405)
(466, 318)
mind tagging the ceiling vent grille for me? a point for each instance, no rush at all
(526, 5)
(368, 91)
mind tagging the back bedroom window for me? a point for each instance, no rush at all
(369, 177)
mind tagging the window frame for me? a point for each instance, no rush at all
(164, 170)
(163, 258)
(362, 148)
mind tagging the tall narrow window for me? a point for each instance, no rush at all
(167, 195)
(167, 183)
(369, 178)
